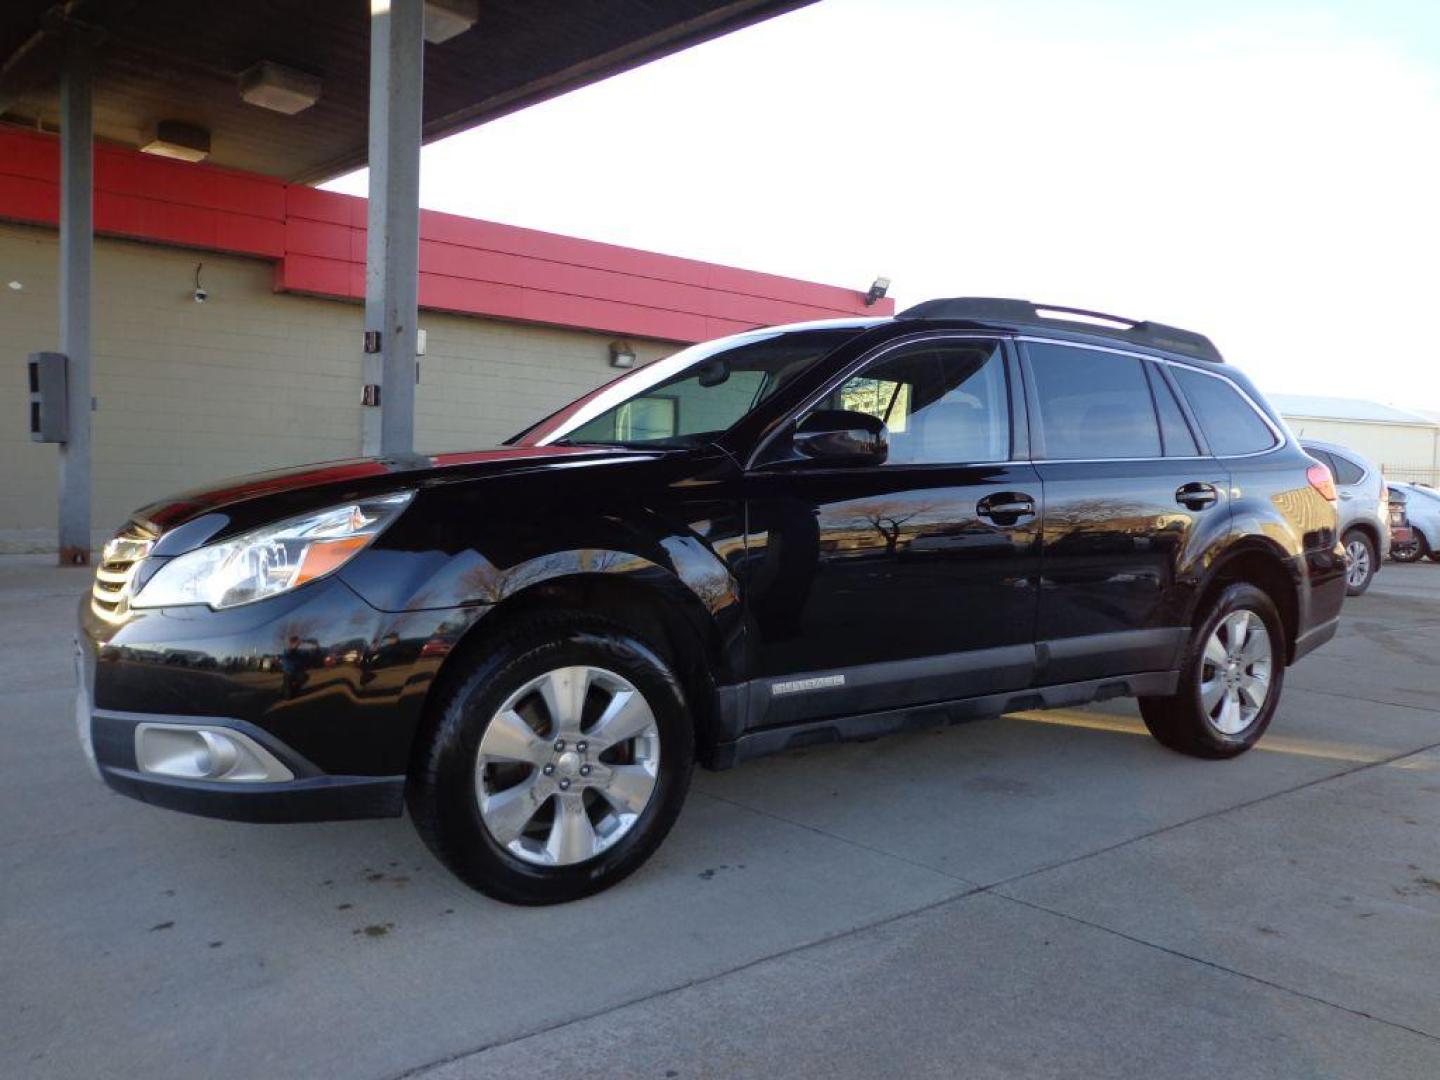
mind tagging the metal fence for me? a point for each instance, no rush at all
(1412, 474)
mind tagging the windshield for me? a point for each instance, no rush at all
(691, 398)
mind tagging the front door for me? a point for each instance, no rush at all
(1130, 500)
(908, 582)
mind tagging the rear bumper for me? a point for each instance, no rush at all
(1313, 638)
(1321, 584)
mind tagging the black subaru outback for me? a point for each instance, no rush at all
(794, 535)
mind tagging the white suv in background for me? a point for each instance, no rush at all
(1364, 510)
(1422, 514)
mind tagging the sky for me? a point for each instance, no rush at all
(1266, 172)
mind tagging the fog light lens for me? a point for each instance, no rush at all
(195, 752)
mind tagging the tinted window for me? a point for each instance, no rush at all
(1093, 404)
(1229, 423)
(1174, 431)
(1346, 471)
(693, 396)
(943, 403)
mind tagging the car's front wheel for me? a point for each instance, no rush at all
(1362, 557)
(1230, 679)
(557, 762)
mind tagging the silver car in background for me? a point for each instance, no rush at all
(1364, 509)
(1422, 513)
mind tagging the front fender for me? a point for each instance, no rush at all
(402, 581)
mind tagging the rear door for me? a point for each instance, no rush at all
(1130, 499)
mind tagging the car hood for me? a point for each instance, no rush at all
(187, 520)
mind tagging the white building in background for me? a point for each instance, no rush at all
(1406, 444)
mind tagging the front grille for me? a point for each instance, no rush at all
(110, 596)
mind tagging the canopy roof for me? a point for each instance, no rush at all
(181, 60)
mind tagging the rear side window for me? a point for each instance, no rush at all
(1174, 431)
(1093, 404)
(1230, 424)
(1346, 471)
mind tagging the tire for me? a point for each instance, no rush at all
(1360, 550)
(1193, 721)
(493, 735)
(1414, 553)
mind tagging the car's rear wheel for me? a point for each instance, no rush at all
(557, 762)
(1230, 679)
(1361, 554)
(1413, 551)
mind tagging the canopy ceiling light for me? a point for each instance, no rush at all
(445, 19)
(179, 140)
(279, 88)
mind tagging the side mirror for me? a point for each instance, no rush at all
(840, 437)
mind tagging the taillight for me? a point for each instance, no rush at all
(1321, 480)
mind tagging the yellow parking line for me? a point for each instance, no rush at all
(1275, 744)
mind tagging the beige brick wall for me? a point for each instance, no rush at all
(1397, 447)
(482, 381)
(192, 393)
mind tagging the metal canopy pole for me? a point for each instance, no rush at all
(392, 254)
(76, 253)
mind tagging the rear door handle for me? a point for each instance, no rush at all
(1006, 507)
(1196, 496)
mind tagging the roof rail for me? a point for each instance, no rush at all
(1136, 331)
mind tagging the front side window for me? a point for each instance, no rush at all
(693, 397)
(944, 403)
(1092, 404)
(1231, 424)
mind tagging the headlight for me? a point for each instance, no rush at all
(271, 560)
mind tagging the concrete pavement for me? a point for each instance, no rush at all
(1049, 894)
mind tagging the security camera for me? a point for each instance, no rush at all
(201, 296)
(877, 290)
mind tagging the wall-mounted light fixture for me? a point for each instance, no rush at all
(445, 19)
(622, 354)
(279, 88)
(179, 140)
(201, 294)
(878, 289)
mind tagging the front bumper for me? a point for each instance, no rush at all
(109, 740)
(319, 680)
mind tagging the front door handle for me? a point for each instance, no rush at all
(1006, 507)
(1196, 496)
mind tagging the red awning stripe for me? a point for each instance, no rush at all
(469, 266)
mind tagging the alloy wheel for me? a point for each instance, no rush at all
(567, 765)
(1235, 672)
(1359, 572)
